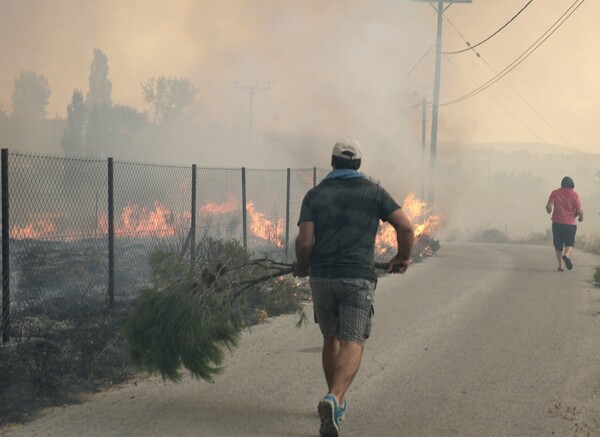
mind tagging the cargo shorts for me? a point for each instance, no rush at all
(344, 307)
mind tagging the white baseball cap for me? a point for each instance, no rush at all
(347, 149)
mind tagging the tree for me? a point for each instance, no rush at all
(73, 135)
(100, 86)
(113, 131)
(3, 115)
(127, 132)
(30, 96)
(4, 128)
(168, 96)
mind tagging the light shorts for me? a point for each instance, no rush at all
(344, 307)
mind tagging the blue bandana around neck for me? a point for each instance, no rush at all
(344, 173)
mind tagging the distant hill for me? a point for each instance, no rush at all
(533, 148)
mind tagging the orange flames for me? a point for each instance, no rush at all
(37, 229)
(159, 221)
(417, 212)
(137, 221)
(261, 227)
(231, 205)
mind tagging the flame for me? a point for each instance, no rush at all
(431, 223)
(231, 205)
(413, 207)
(138, 221)
(44, 226)
(261, 227)
(423, 224)
(159, 221)
(37, 229)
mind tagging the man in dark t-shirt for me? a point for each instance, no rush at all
(335, 245)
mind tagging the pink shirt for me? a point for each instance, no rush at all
(566, 204)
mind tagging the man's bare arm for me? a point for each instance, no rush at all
(304, 246)
(580, 214)
(405, 237)
(548, 208)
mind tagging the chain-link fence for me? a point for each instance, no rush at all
(78, 230)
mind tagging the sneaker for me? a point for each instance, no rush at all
(342, 411)
(330, 416)
(568, 262)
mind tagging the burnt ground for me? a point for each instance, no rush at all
(66, 348)
(57, 356)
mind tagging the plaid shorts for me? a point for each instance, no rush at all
(344, 307)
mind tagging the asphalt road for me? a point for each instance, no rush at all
(483, 340)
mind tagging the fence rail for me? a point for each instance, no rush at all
(84, 228)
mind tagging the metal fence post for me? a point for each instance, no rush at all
(111, 235)
(287, 215)
(244, 213)
(5, 251)
(193, 218)
(314, 176)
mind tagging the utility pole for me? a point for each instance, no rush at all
(436, 93)
(423, 145)
(251, 90)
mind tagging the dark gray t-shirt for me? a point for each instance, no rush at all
(346, 214)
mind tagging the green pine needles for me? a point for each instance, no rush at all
(182, 325)
(194, 312)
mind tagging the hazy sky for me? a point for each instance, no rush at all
(336, 68)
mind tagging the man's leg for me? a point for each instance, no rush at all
(559, 254)
(568, 250)
(566, 257)
(331, 349)
(346, 367)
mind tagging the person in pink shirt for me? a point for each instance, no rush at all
(565, 206)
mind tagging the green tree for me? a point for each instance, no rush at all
(169, 97)
(100, 90)
(113, 131)
(30, 96)
(72, 140)
(127, 132)
(4, 128)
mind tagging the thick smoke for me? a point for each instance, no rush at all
(334, 69)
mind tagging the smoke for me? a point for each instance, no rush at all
(333, 69)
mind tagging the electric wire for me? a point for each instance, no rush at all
(583, 171)
(530, 50)
(522, 98)
(470, 47)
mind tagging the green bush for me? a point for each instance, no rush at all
(596, 278)
(492, 235)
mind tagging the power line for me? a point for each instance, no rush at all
(520, 96)
(557, 24)
(543, 140)
(470, 47)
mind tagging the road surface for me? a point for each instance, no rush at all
(483, 340)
